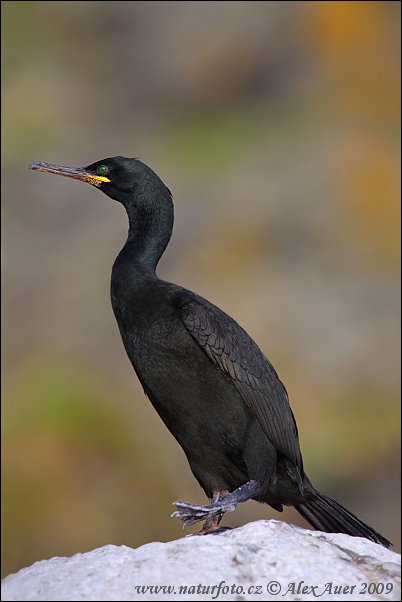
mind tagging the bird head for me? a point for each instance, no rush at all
(118, 177)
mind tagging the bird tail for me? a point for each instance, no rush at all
(324, 514)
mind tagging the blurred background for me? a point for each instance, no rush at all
(276, 127)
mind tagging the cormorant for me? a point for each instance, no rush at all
(214, 389)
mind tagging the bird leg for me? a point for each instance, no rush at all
(212, 514)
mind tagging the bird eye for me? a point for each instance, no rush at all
(102, 170)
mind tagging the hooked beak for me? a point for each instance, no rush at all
(77, 173)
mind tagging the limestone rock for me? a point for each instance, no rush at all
(264, 560)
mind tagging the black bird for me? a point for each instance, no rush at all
(210, 383)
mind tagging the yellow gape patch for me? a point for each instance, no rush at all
(95, 180)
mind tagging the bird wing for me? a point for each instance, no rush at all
(237, 356)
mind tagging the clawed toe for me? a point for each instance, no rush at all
(190, 514)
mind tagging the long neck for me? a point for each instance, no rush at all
(150, 229)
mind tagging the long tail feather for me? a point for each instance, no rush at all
(324, 514)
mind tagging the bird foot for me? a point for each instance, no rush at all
(212, 513)
(192, 513)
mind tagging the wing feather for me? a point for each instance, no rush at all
(236, 355)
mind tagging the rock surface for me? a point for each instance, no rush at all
(265, 560)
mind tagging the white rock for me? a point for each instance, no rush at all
(265, 560)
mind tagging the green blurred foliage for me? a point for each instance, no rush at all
(276, 126)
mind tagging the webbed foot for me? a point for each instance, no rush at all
(213, 513)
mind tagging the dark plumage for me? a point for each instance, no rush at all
(210, 383)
